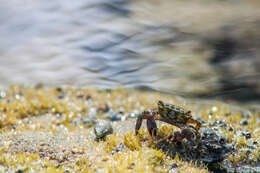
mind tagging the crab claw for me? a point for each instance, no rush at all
(152, 127)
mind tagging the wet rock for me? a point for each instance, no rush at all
(214, 148)
(102, 129)
(208, 148)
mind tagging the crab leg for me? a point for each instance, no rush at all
(139, 121)
(138, 124)
(151, 126)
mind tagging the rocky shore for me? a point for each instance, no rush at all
(67, 129)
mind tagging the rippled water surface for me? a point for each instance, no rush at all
(171, 46)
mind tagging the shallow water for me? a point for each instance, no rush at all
(124, 43)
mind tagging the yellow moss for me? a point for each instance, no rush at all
(135, 161)
(22, 104)
(54, 169)
(132, 141)
(241, 141)
(230, 136)
(112, 141)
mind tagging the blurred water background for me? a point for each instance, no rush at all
(202, 48)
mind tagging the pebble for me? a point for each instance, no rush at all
(173, 168)
(246, 134)
(113, 116)
(133, 115)
(2, 94)
(214, 109)
(88, 121)
(102, 129)
(92, 113)
(244, 123)
(220, 123)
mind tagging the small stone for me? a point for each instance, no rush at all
(123, 118)
(210, 115)
(59, 89)
(220, 123)
(92, 113)
(61, 96)
(21, 169)
(227, 114)
(214, 109)
(88, 121)
(230, 129)
(75, 150)
(244, 123)
(114, 116)
(102, 129)
(39, 86)
(133, 115)
(17, 96)
(252, 147)
(246, 134)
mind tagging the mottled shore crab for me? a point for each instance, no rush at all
(171, 114)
